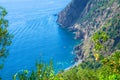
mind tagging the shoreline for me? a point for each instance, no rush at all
(76, 64)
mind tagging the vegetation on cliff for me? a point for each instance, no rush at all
(108, 69)
(100, 22)
(96, 15)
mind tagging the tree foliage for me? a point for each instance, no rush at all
(43, 72)
(5, 37)
(99, 38)
(110, 70)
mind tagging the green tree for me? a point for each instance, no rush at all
(111, 67)
(42, 72)
(5, 37)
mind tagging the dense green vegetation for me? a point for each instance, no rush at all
(42, 72)
(111, 35)
(108, 69)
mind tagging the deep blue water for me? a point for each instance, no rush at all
(36, 36)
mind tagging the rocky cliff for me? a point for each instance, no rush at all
(86, 17)
(71, 13)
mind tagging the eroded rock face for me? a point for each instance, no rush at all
(71, 13)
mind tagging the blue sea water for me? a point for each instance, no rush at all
(36, 36)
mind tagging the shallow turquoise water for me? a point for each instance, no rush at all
(36, 36)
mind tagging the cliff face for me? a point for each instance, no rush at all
(71, 13)
(86, 17)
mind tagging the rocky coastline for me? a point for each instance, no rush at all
(84, 18)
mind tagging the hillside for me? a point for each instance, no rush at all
(97, 23)
(86, 17)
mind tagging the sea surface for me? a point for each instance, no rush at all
(36, 36)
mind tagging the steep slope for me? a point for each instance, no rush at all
(71, 13)
(94, 15)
